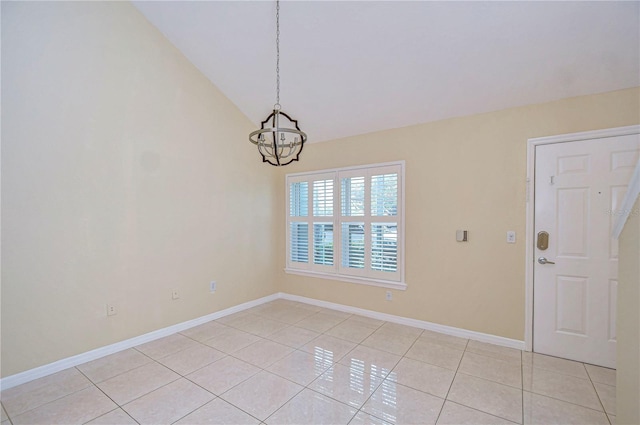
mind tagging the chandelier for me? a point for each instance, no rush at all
(279, 138)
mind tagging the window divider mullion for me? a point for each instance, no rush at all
(367, 222)
(337, 219)
(310, 222)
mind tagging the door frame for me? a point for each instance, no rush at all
(530, 208)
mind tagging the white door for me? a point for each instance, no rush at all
(579, 187)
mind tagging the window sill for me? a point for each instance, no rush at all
(351, 279)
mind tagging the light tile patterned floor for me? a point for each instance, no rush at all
(291, 363)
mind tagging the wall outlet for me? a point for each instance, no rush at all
(175, 294)
(511, 236)
(111, 310)
(389, 296)
(212, 286)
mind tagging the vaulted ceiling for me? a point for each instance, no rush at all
(353, 67)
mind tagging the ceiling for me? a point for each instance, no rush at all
(354, 67)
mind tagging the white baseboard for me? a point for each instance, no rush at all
(48, 369)
(449, 330)
(39, 372)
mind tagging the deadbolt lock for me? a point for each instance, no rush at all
(543, 241)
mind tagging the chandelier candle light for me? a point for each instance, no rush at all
(281, 143)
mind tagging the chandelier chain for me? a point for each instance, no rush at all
(278, 53)
(279, 138)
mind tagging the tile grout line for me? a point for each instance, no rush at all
(185, 377)
(377, 386)
(106, 395)
(267, 371)
(482, 411)
(593, 385)
(357, 410)
(5, 411)
(534, 392)
(446, 397)
(53, 400)
(567, 402)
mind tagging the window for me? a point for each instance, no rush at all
(347, 224)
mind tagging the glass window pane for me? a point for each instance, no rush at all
(323, 243)
(384, 247)
(323, 198)
(299, 199)
(353, 245)
(384, 195)
(352, 189)
(299, 243)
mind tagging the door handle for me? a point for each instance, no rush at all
(543, 260)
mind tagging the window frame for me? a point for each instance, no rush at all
(337, 271)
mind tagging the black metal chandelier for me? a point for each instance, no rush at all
(279, 138)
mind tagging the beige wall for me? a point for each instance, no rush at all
(462, 173)
(125, 173)
(628, 324)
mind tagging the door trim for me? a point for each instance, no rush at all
(529, 236)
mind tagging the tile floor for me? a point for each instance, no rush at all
(291, 363)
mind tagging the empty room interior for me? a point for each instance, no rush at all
(320, 212)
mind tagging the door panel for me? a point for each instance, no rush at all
(571, 304)
(572, 220)
(578, 190)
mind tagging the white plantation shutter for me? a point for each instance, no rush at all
(348, 223)
(323, 243)
(323, 202)
(352, 189)
(298, 224)
(323, 198)
(384, 247)
(299, 242)
(384, 194)
(299, 199)
(384, 236)
(353, 245)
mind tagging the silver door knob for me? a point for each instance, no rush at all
(543, 260)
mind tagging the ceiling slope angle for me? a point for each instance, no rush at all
(355, 67)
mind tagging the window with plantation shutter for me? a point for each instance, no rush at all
(348, 224)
